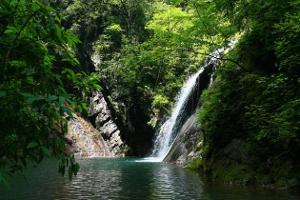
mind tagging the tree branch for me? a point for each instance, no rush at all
(223, 59)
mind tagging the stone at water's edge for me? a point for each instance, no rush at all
(186, 145)
(103, 121)
(85, 140)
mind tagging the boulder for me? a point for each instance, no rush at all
(84, 140)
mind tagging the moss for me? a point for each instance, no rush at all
(228, 171)
(195, 164)
(233, 173)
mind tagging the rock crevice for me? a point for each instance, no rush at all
(103, 121)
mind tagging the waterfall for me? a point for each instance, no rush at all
(181, 111)
(166, 134)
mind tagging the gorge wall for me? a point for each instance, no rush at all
(101, 117)
(97, 136)
(131, 117)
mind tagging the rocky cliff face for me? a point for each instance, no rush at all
(84, 140)
(102, 119)
(187, 144)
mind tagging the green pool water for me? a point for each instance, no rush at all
(127, 179)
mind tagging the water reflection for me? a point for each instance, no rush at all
(126, 179)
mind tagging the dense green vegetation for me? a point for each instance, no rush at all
(39, 87)
(143, 51)
(250, 116)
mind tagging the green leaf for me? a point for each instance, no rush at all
(61, 100)
(32, 145)
(52, 98)
(11, 30)
(70, 74)
(45, 151)
(58, 32)
(30, 98)
(84, 106)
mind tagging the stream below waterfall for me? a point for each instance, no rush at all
(128, 179)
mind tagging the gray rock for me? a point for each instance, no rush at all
(85, 140)
(108, 129)
(186, 143)
(105, 124)
(97, 104)
(102, 118)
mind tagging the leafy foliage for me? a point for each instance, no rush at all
(37, 85)
(258, 103)
(177, 41)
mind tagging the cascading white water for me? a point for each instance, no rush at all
(164, 141)
(167, 132)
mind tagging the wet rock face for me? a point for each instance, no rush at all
(187, 143)
(84, 140)
(101, 117)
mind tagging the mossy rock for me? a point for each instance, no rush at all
(195, 164)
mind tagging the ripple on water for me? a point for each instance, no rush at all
(125, 179)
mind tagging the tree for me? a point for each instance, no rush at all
(37, 85)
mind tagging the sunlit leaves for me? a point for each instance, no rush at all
(82, 81)
(114, 28)
(11, 30)
(172, 20)
(160, 101)
(179, 37)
